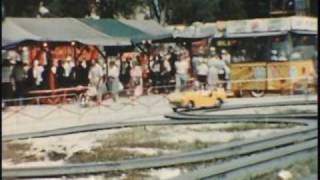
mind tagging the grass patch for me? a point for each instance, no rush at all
(144, 138)
(100, 154)
(299, 170)
(130, 175)
(55, 156)
(137, 137)
(244, 127)
(202, 129)
(253, 126)
(296, 111)
(16, 152)
(113, 147)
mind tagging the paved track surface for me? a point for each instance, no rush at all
(294, 141)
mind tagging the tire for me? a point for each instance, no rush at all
(220, 102)
(238, 93)
(190, 105)
(257, 93)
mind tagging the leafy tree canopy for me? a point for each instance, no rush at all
(173, 11)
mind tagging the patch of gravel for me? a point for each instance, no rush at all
(128, 143)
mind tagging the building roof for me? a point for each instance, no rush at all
(116, 28)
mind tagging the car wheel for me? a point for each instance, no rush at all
(238, 93)
(190, 105)
(257, 93)
(219, 103)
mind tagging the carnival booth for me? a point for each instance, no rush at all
(50, 40)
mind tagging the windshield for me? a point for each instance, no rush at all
(248, 49)
(304, 47)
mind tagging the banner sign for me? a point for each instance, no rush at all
(271, 24)
(304, 23)
(278, 24)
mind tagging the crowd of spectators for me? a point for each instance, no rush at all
(168, 69)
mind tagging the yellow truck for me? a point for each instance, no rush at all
(197, 99)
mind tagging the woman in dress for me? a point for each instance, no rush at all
(136, 80)
(96, 81)
(213, 70)
(113, 80)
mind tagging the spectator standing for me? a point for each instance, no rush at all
(243, 56)
(283, 56)
(53, 75)
(96, 80)
(37, 71)
(125, 68)
(67, 65)
(6, 85)
(77, 74)
(13, 56)
(113, 80)
(45, 76)
(195, 62)
(85, 66)
(221, 65)
(226, 58)
(150, 63)
(202, 74)
(295, 55)
(156, 71)
(212, 69)
(173, 58)
(25, 55)
(74, 74)
(27, 84)
(165, 73)
(144, 63)
(136, 80)
(60, 74)
(19, 76)
(274, 55)
(182, 67)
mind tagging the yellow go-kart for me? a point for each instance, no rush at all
(197, 99)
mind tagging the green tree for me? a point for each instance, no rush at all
(188, 11)
(68, 8)
(257, 8)
(18, 8)
(113, 8)
(232, 9)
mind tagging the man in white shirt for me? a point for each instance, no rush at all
(283, 56)
(274, 55)
(296, 55)
(37, 73)
(202, 74)
(226, 58)
(181, 73)
(96, 80)
(195, 63)
(113, 80)
(213, 68)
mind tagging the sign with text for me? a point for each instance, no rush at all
(271, 24)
